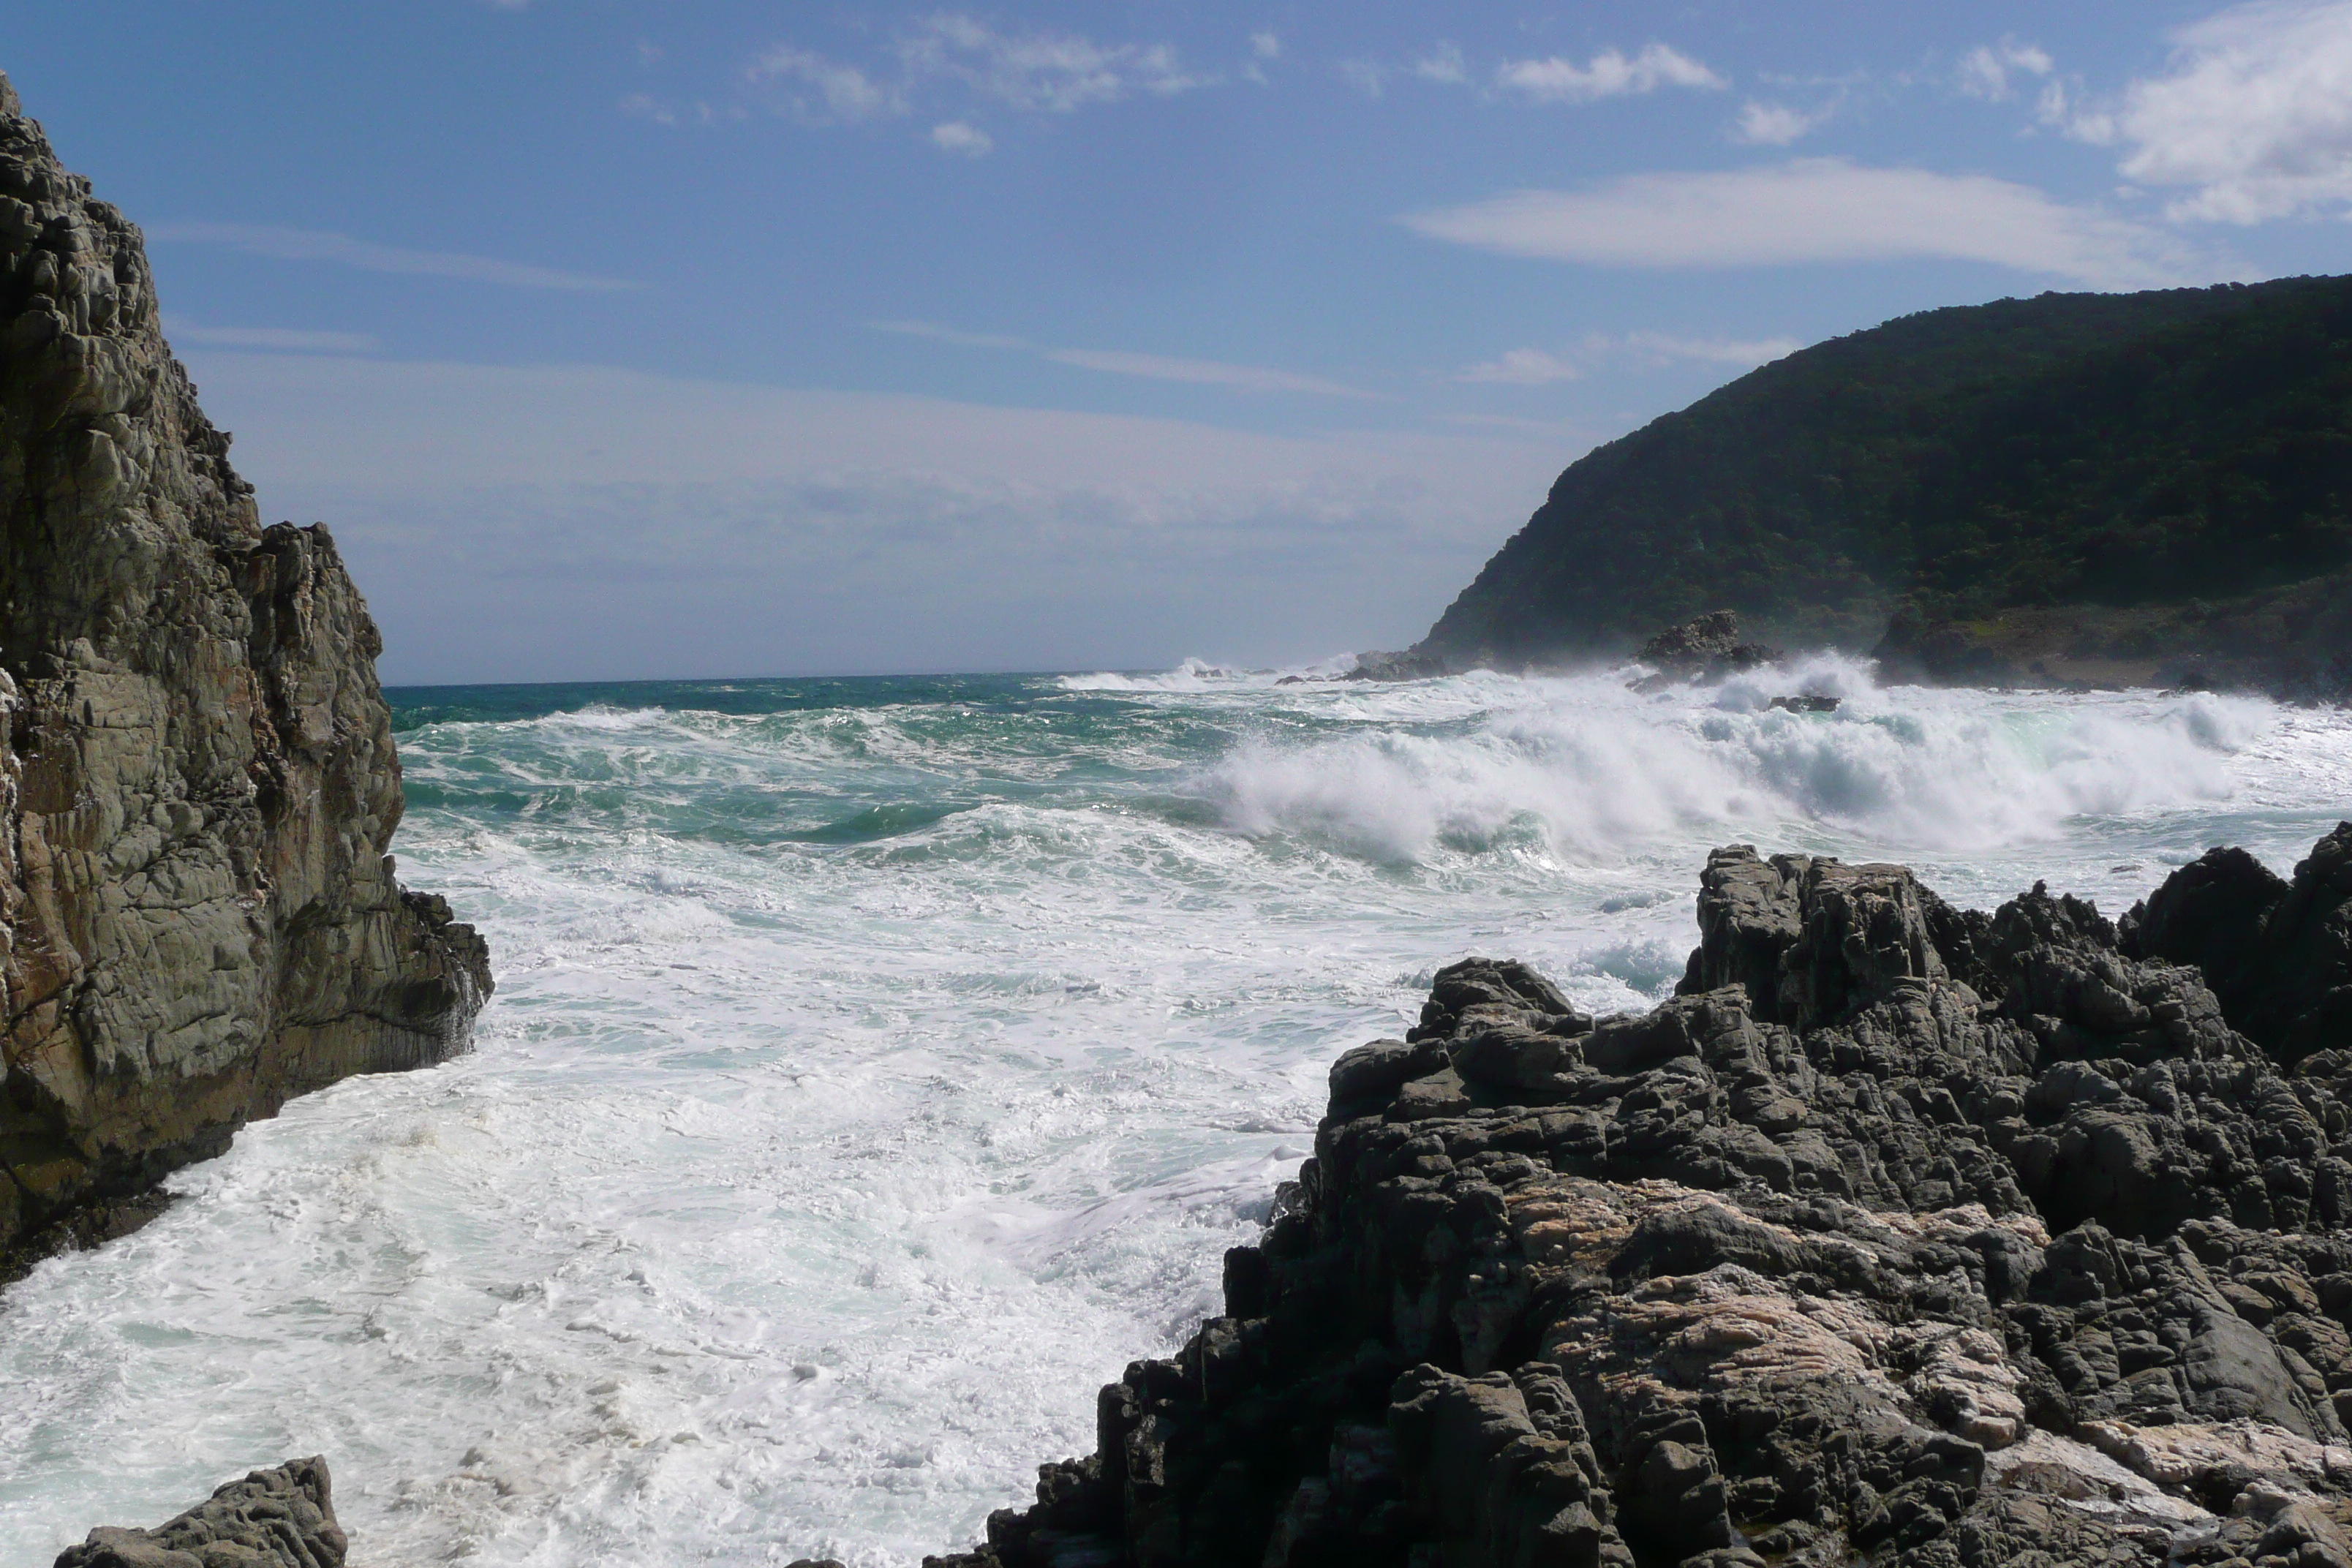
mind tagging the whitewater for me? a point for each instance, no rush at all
(877, 1065)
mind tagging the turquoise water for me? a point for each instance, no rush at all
(877, 1065)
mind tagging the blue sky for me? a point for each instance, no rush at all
(618, 339)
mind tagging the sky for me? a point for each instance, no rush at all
(685, 338)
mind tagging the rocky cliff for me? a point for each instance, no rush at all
(1902, 1235)
(197, 781)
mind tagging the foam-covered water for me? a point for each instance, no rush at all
(878, 1067)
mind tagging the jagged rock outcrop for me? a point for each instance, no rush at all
(2279, 953)
(197, 779)
(1706, 647)
(283, 1518)
(1901, 1234)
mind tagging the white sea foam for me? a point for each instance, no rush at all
(1191, 675)
(1603, 773)
(864, 1085)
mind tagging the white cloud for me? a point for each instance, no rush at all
(1745, 352)
(1815, 210)
(2055, 106)
(282, 339)
(836, 94)
(1043, 71)
(1523, 367)
(1049, 71)
(955, 136)
(311, 245)
(1443, 65)
(1367, 76)
(948, 335)
(1552, 433)
(1205, 372)
(1984, 71)
(1264, 48)
(2254, 118)
(1539, 367)
(1609, 74)
(644, 106)
(1765, 124)
(1151, 367)
(674, 527)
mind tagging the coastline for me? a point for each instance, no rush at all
(1832, 1255)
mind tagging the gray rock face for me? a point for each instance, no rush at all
(283, 1518)
(197, 779)
(1904, 1236)
(2279, 953)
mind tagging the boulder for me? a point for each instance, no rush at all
(283, 1518)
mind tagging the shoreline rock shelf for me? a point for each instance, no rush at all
(199, 919)
(1902, 1234)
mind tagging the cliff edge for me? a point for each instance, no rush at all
(197, 781)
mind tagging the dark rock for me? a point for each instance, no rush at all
(1705, 648)
(198, 919)
(283, 1518)
(1903, 1235)
(1388, 666)
(2277, 955)
(1383, 1066)
(1803, 704)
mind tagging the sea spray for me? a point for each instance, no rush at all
(879, 1066)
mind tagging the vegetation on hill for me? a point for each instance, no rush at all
(2093, 449)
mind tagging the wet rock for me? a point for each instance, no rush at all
(1902, 1235)
(1393, 666)
(198, 785)
(283, 1518)
(1706, 647)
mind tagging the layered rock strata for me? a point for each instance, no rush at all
(1901, 1234)
(283, 1518)
(199, 919)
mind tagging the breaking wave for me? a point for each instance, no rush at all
(877, 1066)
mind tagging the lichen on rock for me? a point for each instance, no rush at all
(199, 919)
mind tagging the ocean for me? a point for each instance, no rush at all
(877, 1065)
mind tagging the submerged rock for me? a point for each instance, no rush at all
(197, 781)
(283, 1518)
(1901, 1234)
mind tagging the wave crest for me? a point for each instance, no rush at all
(1594, 770)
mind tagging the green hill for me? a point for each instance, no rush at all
(2130, 454)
